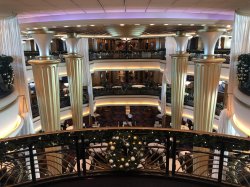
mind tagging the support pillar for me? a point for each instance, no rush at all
(207, 76)
(178, 79)
(45, 72)
(74, 66)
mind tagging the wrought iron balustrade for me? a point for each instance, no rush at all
(127, 91)
(97, 151)
(64, 102)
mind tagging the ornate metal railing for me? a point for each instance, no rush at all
(159, 54)
(127, 91)
(90, 152)
(64, 102)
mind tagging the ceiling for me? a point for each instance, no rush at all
(29, 8)
(106, 15)
(127, 30)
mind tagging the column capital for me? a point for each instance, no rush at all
(42, 38)
(210, 60)
(180, 55)
(71, 43)
(43, 62)
(209, 36)
(72, 55)
(181, 41)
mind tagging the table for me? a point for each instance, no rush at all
(96, 115)
(159, 116)
(183, 153)
(70, 127)
(96, 125)
(177, 165)
(98, 87)
(157, 125)
(98, 147)
(116, 86)
(156, 147)
(138, 86)
(88, 164)
(184, 127)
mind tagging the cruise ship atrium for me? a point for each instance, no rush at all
(118, 92)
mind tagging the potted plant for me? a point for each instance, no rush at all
(243, 73)
(6, 75)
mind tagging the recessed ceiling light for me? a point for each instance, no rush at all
(78, 26)
(192, 24)
(137, 24)
(35, 28)
(165, 24)
(122, 24)
(203, 25)
(66, 26)
(151, 24)
(44, 27)
(92, 25)
(179, 24)
(228, 26)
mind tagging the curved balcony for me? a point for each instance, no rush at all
(161, 154)
(129, 65)
(140, 95)
(11, 121)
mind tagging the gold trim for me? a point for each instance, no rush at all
(73, 55)
(127, 128)
(180, 54)
(43, 62)
(210, 61)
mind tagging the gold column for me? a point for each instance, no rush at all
(207, 76)
(45, 72)
(74, 65)
(178, 79)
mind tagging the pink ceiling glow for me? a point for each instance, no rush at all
(169, 14)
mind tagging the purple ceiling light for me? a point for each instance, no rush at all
(169, 14)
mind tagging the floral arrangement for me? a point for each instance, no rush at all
(6, 75)
(125, 151)
(243, 73)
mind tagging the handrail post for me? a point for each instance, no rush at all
(221, 164)
(173, 155)
(32, 164)
(83, 156)
(167, 154)
(78, 157)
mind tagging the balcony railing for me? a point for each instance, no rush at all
(64, 102)
(137, 151)
(127, 90)
(160, 54)
(153, 91)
